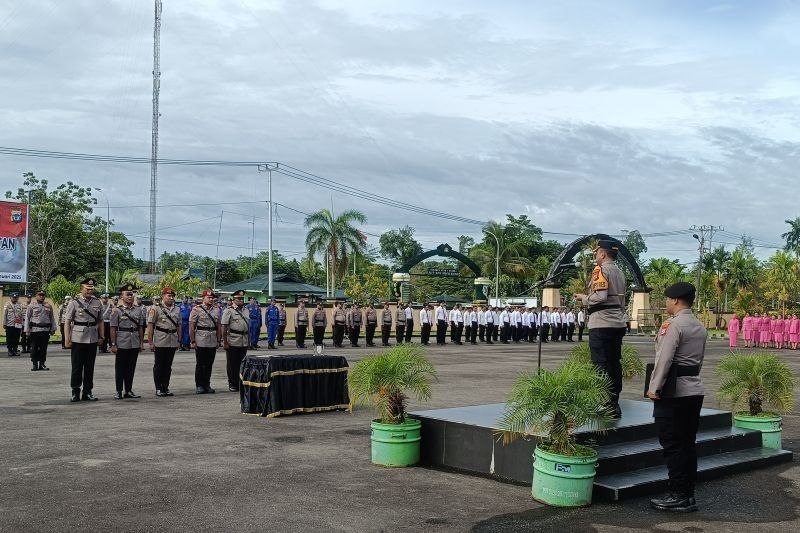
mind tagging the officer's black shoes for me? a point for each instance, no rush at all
(42, 367)
(201, 390)
(117, 395)
(88, 397)
(280, 344)
(131, 394)
(160, 393)
(233, 389)
(209, 390)
(76, 397)
(168, 392)
(35, 367)
(676, 502)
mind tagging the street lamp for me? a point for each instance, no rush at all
(108, 223)
(497, 267)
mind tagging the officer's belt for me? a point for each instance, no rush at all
(319, 324)
(48, 326)
(204, 328)
(84, 323)
(238, 331)
(686, 370)
(337, 323)
(129, 330)
(602, 307)
(372, 323)
(302, 322)
(165, 330)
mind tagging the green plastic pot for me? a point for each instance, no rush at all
(769, 426)
(396, 445)
(562, 480)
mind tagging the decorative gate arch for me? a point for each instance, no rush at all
(566, 259)
(444, 250)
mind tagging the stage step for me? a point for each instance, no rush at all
(651, 480)
(638, 454)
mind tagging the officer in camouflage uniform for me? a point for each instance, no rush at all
(165, 331)
(40, 323)
(606, 307)
(126, 323)
(677, 393)
(84, 331)
(235, 337)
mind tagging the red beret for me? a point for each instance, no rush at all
(207, 292)
(168, 290)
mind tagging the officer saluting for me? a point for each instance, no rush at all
(606, 307)
(84, 332)
(677, 393)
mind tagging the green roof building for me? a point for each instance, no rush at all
(284, 287)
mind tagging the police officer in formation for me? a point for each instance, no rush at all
(24, 338)
(272, 318)
(372, 324)
(254, 311)
(165, 330)
(281, 323)
(386, 324)
(300, 324)
(206, 336)
(40, 323)
(235, 337)
(186, 311)
(677, 393)
(355, 318)
(84, 332)
(13, 322)
(320, 322)
(126, 323)
(108, 306)
(339, 324)
(400, 323)
(606, 308)
(426, 322)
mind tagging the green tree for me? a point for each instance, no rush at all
(659, 274)
(60, 287)
(465, 244)
(335, 238)
(513, 246)
(792, 237)
(716, 263)
(371, 285)
(635, 244)
(781, 277)
(399, 245)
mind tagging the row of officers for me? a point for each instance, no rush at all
(466, 323)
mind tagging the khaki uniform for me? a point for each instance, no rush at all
(320, 323)
(386, 326)
(400, 324)
(40, 323)
(606, 298)
(84, 315)
(339, 321)
(238, 326)
(300, 327)
(372, 323)
(681, 341)
(355, 318)
(128, 321)
(165, 322)
(205, 335)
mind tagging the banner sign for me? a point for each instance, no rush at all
(13, 242)
(444, 272)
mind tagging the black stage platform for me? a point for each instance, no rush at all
(630, 462)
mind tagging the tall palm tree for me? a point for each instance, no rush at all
(742, 270)
(513, 262)
(792, 237)
(716, 262)
(336, 238)
(782, 275)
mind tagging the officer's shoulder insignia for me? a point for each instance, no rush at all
(664, 328)
(151, 312)
(599, 280)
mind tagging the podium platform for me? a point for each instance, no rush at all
(630, 461)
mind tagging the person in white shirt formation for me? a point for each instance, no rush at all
(581, 323)
(526, 325)
(441, 324)
(505, 325)
(482, 323)
(564, 326)
(451, 320)
(426, 322)
(409, 321)
(473, 319)
(488, 317)
(570, 325)
(544, 323)
(459, 323)
(555, 324)
(467, 323)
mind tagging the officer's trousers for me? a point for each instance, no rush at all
(581, 327)
(162, 366)
(255, 331)
(544, 331)
(441, 331)
(125, 368)
(526, 333)
(512, 335)
(355, 332)
(338, 335)
(272, 332)
(564, 331)
(605, 345)
(281, 332)
(489, 332)
(409, 329)
(12, 339)
(459, 332)
(234, 356)
(482, 332)
(186, 341)
(107, 338)
(204, 363)
(300, 334)
(474, 332)
(370, 333)
(677, 420)
(25, 341)
(400, 332)
(425, 333)
(319, 335)
(571, 332)
(63, 338)
(386, 332)
(39, 340)
(496, 332)
(82, 356)
(467, 331)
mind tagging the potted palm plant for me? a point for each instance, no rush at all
(385, 381)
(552, 405)
(632, 364)
(751, 381)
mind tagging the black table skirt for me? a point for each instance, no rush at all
(283, 385)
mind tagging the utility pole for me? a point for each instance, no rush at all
(703, 232)
(154, 139)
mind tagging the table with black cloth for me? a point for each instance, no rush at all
(283, 385)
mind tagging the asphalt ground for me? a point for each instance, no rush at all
(194, 463)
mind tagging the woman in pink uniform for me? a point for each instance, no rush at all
(756, 325)
(794, 332)
(747, 329)
(777, 331)
(733, 331)
(766, 332)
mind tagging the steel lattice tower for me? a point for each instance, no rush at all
(154, 140)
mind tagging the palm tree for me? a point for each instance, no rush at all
(782, 274)
(716, 263)
(513, 262)
(742, 269)
(660, 273)
(336, 238)
(792, 236)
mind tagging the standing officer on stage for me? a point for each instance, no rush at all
(281, 322)
(235, 337)
(372, 323)
(205, 333)
(126, 323)
(254, 311)
(320, 321)
(40, 323)
(356, 318)
(84, 333)
(186, 311)
(606, 308)
(272, 317)
(677, 393)
(164, 331)
(386, 324)
(300, 324)
(13, 321)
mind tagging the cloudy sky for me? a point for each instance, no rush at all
(588, 116)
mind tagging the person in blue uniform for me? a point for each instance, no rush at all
(255, 322)
(186, 310)
(272, 317)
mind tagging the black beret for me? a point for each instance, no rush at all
(607, 245)
(238, 293)
(682, 289)
(14, 295)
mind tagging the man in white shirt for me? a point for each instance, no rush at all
(570, 325)
(505, 324)
(496, 324)
(555, 324)
(482, 323)
(467, 323)
(544, 323)
(409, 322)
(564, 325)
(532, 320)
(473, 318)
(488, 316)
(459, 324)
(441, 324)
(581, 323)
(515, 324)
(425, 321)
(451, 318)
